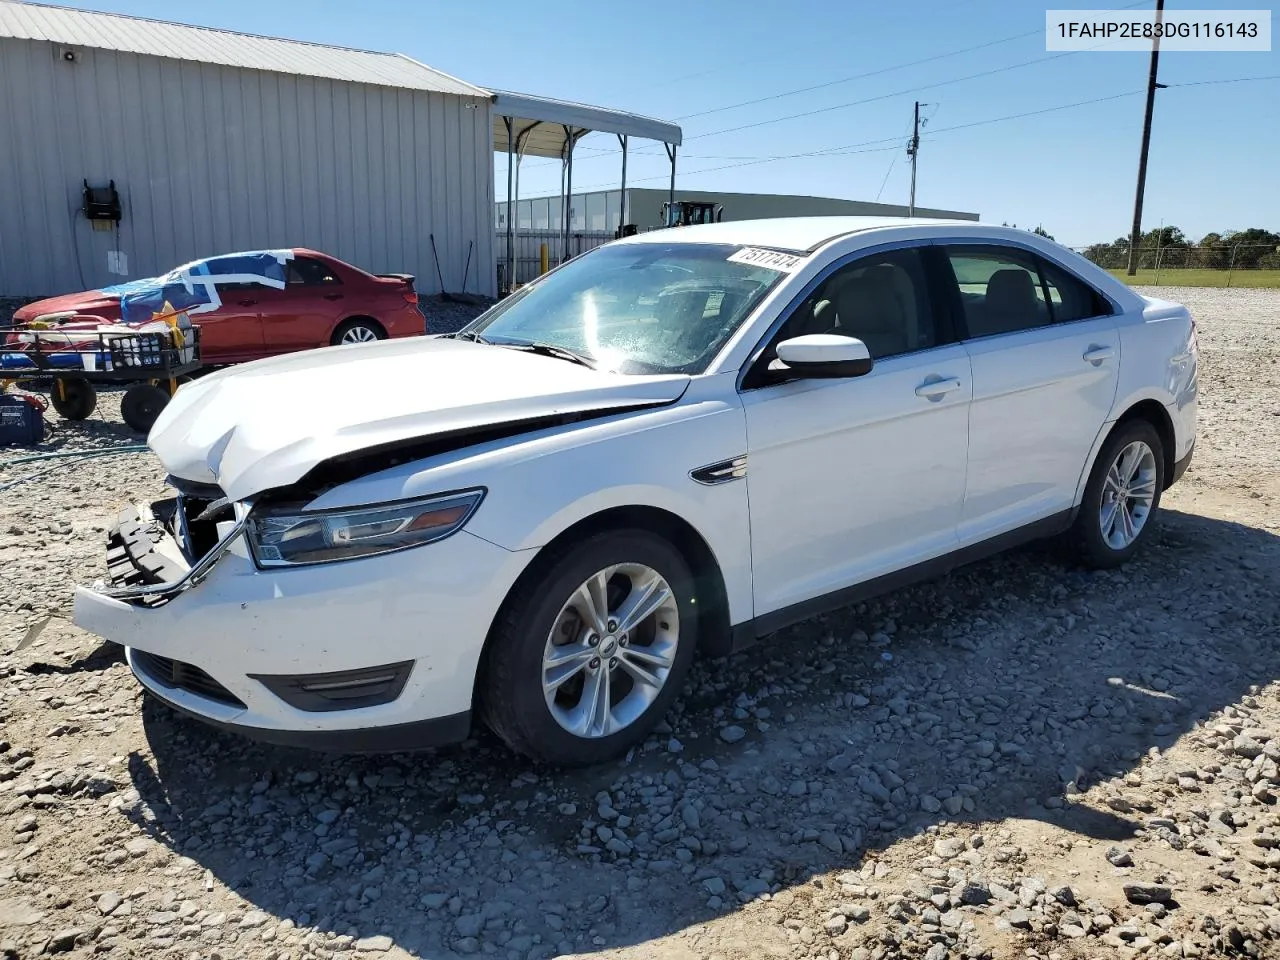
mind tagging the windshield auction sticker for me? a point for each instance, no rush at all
(773, 259)
(1129, 30)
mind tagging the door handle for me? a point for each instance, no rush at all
(1096, 354)
(247, 303)
(333, 296)
(937, 389)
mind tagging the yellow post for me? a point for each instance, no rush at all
(542, 260)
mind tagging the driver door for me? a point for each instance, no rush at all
(233, 332)
(851, 479)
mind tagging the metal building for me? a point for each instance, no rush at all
(594, 217)
(132, 146)
(599, 211)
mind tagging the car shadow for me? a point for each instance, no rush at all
(994, 692)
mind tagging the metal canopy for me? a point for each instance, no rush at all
(540, 124)
(542, 127)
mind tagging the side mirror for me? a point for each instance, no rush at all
(825, 356)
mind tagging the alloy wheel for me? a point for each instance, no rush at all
(359, 335)
(610, 650)
(1128, 493)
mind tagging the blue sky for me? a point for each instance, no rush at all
(1214, 148)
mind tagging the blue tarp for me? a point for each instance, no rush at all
(193, 287)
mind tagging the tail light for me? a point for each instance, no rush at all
(410, 297)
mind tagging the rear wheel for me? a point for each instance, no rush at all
(141, 405)
(587, 658)
(74, 398)
(358, 331)
(1122, 496)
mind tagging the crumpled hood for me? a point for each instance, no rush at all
(266, 424)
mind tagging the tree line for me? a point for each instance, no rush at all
(1242, 249)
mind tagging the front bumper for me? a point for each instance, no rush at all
(225, 642)
(1180, 466)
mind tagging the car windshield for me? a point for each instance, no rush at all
(638, 308)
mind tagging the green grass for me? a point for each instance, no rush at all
(1202, 278)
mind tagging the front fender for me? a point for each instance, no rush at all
(541, 485)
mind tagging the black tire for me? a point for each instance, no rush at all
(512, 702)
(1086, 536)
(141, 405)
(74, 398)
(358, 324)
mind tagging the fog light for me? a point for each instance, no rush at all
(341, 690)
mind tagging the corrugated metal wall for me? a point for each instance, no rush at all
(213, 159)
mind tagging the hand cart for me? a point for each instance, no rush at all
(155, 362)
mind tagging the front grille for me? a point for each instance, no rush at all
(176, 675)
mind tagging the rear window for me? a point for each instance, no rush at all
(308, 272)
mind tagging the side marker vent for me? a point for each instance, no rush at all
(721, 472)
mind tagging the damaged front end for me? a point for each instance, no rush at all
(157, 551)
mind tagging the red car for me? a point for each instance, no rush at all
(256, 304)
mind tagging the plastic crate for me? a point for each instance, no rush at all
(143, 351)
(20, 421)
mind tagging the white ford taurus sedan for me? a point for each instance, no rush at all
(670, 446)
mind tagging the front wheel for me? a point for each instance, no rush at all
(1121, 497)
(585, 659)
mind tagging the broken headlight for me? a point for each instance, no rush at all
(282, 537)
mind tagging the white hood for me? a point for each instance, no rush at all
(266, 424)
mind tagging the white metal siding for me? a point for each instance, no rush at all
(210, 159)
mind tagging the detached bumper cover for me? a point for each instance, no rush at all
(213, 639)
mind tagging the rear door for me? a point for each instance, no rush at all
(304, 313)
(1046, 353)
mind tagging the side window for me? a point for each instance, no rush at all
(1071, 298)
(308, 272)
(1000, 290)
(882, 299)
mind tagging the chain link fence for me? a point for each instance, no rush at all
(1217, 265)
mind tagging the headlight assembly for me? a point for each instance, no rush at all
(289, 537)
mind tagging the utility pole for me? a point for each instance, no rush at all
(1152, 86)
(913, 151)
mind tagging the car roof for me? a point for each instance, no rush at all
(788, 233)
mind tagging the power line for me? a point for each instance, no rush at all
(886, 96)
(861, 76)
(865, 100)
(773, 54)
(1208, 83)
(852, 149)
(875, 99)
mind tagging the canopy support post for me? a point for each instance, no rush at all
(622, 202)
(569, 139)
(508, 280)
(671, 191)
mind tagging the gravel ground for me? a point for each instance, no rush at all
(1021, 759)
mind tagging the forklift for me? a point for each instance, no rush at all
(683, 213)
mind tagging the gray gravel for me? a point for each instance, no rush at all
(1022, 759)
